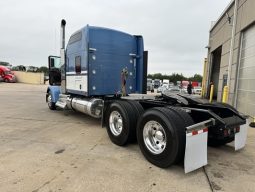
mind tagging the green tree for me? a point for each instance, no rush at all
(174, 77)
(4, 63)
(196, 77)
(44, 70)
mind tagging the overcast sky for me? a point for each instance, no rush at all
(175, 31)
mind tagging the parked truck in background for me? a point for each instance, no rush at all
(103, 73)
(150, 85)
(157, 83)
(166, 81)
(7, 75)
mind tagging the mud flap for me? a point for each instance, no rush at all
(241, 136)
(196, 150)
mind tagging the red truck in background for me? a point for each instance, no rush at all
(185, 84)
(196, 88)
(7, 75)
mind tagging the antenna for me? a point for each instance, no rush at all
(228, 18)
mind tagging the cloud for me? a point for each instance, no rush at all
(175, 32)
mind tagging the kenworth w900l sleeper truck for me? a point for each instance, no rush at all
(103, 73)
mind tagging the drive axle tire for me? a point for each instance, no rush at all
(120, 122)
(138, 110)
(183, 115)
(187, 120)
(161, 136)
(51, 105)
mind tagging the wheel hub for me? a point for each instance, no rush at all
(159, 136)
(115, 123)
(49, 100)
(154, 137)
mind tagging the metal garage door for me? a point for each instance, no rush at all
(246, 78)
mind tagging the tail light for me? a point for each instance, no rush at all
(225, 133)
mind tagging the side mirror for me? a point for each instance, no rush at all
(54, 62)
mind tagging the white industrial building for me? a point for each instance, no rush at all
(231, 55)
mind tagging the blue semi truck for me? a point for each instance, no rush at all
(103, 73)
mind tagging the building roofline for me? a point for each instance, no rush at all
(223, 14)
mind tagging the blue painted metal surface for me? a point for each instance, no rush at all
(139, 64)
(55, 91)
(77, 48)
(104, 54)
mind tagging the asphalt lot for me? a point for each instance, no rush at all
(47, 151)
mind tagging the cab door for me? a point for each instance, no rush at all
(54, 70)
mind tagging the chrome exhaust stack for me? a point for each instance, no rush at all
(63, 56)
(92, 107)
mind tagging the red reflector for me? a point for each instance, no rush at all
(194, 132)
(237, 129)
(205, 129)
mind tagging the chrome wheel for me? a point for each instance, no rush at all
(115, 123)
(49, 100)
(154, 137)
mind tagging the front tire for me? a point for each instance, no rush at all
(51, 104)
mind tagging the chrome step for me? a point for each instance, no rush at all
(62, 101)
(61, 104)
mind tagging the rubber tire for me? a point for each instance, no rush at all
(183, 115)
(138, 110)
(53, 104)
(186, 118)
(174, 129)
(129, 122)
(137, 107)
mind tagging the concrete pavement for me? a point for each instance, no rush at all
(47, 151)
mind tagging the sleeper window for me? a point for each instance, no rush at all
(78, 64)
